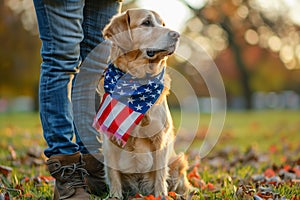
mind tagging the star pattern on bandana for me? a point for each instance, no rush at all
(138, 93)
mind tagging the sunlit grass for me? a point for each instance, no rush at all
(19, 131)
(243, 129)
(272, 132)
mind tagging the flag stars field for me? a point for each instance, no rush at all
(134, 87)
(143, 98)
(147, 90)
(138, 107)
(130, 100)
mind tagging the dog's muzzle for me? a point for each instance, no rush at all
(173, 38)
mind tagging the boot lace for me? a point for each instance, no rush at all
(74, 174)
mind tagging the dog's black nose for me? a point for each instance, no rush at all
(174, 34)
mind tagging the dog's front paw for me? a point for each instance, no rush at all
(115, 194)
(160, 189)
(112, 198)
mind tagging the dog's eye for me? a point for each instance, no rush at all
(147, 23)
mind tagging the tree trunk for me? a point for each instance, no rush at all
(241, 66)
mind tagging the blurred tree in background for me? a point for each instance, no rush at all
(255, 43)
(19, 51)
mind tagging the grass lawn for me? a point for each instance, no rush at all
(254, 147)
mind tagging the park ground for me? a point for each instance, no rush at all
(257, 156)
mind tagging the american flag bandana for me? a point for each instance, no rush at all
(125, 102)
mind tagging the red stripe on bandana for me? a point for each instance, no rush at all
(119, 119)
(107, 110)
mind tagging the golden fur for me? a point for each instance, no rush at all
(147, 164)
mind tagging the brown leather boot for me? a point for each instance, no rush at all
(69, 172)
(96, 176)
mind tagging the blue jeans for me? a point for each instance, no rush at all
(69, 31)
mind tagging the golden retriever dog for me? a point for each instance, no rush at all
(147, 163)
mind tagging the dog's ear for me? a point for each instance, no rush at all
(118, 31)
(158, 18)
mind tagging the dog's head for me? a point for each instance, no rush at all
(140, 41)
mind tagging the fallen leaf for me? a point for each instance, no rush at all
(35, 151)
(151, 197)
(255, 197)
(193, 174)
(258, 178)
(265, 195)
(287, 167)
(28, 195)
(244, 192)
(12, 152)
(286, 175)
(5, 170)
(6, 196)
(48, 179)
(297, 171)
(26, 179)
(269, 173)
(210, 186)
(172, 194)
(273, 148)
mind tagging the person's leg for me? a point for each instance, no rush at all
(94, 51)
(61, 33)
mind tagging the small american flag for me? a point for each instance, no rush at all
(125, 102)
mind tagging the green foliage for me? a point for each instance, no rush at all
(19, 55)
